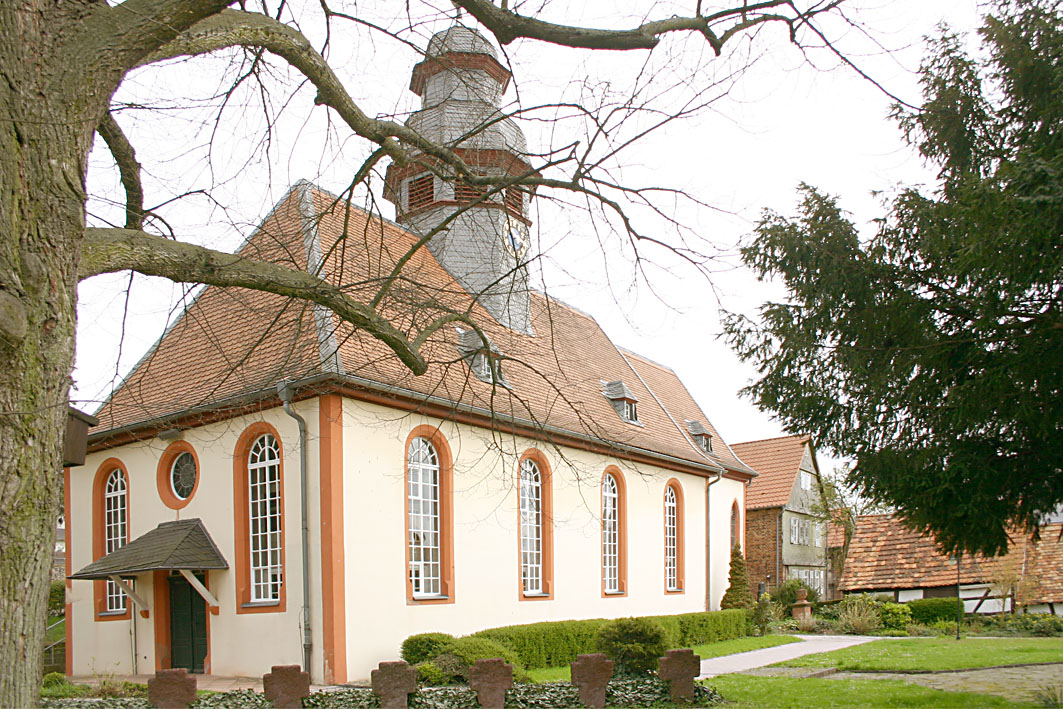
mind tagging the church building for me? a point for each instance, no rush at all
(270, 485)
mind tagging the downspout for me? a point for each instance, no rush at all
(284, 391)
(708, 541)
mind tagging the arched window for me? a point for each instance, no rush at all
(265, 519)
(673, 537)
(258, 491)
(115, 530)
(734, 525)
(614, 535)
(531, 527)
(423, 505)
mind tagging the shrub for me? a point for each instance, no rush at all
(786, 594)
(827, 609)
(929, 610)
(431, 674)
(1024, 624)
(634, 644)
(944, 627)
(737, 594)
(557, 643)
(762, 614)
(56, 599)
(806, 623)
(424, 646)
(858, 614)
(894, 616)
(471, 648)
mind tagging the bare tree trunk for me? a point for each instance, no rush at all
(46, 125)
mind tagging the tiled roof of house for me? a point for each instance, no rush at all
(884, 554)
(231, 344)
(181, 544)
(835, 534)
(777, 462)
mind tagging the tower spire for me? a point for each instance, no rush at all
(461, 84)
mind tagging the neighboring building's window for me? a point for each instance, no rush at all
(531, 527)
(421, 192)
(264, 517)
(735, 525)
(423, 518)
(614, 535)
(817, 534)
(806, 480)
(673, 539)
(183, 476)
(115, 527)
(795, 533)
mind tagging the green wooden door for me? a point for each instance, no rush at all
(188, 626)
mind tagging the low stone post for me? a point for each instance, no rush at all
(801, 609)
(591, 673)
(286, 685)
(171, 689)
(491, 679)
(679, 668)
(393, 682)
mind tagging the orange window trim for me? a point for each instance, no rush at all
(99, 535)
(680, 539)
(621, 528)
(242, 532)
(547, 510)
(68, 627)
(162, 474)
(446, 514)
(333, 603)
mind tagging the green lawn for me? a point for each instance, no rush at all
(785, 692)
(936, 654)
(723, 647)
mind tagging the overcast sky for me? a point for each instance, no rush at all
(787, 118)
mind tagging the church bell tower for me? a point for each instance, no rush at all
(484, 248)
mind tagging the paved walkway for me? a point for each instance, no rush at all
(807, 645)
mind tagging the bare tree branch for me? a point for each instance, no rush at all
(126, 159)
(508, 26)
(109, 250)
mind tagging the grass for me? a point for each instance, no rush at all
(936, 654)
(723, 647)
(787, 693)
(56, 633)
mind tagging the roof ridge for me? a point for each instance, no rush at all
(776, 438)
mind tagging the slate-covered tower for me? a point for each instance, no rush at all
(461, 83)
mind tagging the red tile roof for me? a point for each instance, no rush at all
(231, 344)
(777, 461)
(884, 554)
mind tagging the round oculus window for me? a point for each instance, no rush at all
(183, 476)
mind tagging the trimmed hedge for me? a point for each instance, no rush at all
(554, 644)
(424, 646)
(930, 610)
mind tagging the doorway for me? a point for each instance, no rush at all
(188, 625)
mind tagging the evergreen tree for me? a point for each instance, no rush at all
(738, 595)
(931, 352)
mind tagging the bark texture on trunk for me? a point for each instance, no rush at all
(47, 114)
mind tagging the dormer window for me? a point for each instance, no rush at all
(624, 402)
(420, 192)
(485, 363)
(700, 434)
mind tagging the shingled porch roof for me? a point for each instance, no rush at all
(172, 546)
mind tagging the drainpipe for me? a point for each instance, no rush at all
(284, 391)
(708, 542)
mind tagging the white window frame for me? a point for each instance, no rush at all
(806, 480)
(531, 528)
(264, 496)
(423, 537)
(817, 534)
(671, 539)
(795, 533)
(610, 534)
(115, 531)
(183, 455)
(631, 410)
